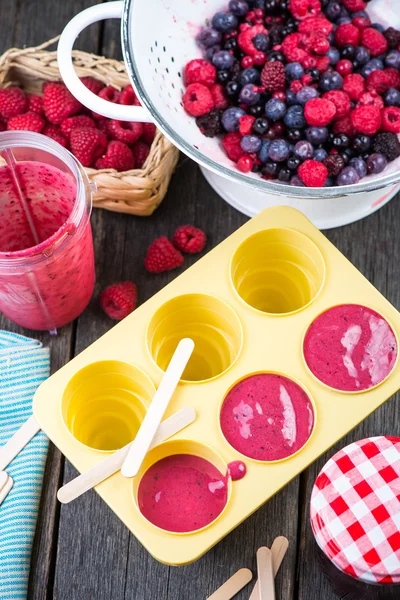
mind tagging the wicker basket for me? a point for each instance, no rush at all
(136, 192)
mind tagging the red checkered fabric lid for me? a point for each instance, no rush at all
(355, 510)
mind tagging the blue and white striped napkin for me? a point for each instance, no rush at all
(24, 365)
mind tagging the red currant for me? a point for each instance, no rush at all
(247, 61)
(245, 164)
(260, 58)
(344, 67)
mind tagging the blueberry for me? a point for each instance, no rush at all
(223, 76)
(378, 27)
(271, 168)
(341, 140)
(278, 150)
(256, 111)
(230, 118)
(275, 109)
(261, 42)
(208, 37)
(333, 11)
(343, 20)
(376, 163)
(290, 98)
(250, 75)
(248, 95)
(392, 97)
(250, 143)
(297, 181)
(372, 65)
(334, 55)
(263, 151)
(209, 53)
(260, 126)
(361, 13)
(348, 52)
(347, 154)
(348, 176)
(224, 22)
(320, 154)
(359, 165)
(329, 182)
(393, 59)
(293, 163)
(294, 71)
(331, 81)
(284, 175)
(238, 7)
(232, 89)
(223, 59)
(230, 44)
(317, 135)
(361, 143)
(274, 56)
(294, 135)
(303, 150)
(305, 94)
(361, 55)
(294, 118)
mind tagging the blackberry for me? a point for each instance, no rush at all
(210, 124)
(271, 7)
(276, 35)
(223, 76)
(334, 163)
(392, 36)
(235, 71)
(387, 144)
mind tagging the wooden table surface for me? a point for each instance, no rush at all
(82, 551)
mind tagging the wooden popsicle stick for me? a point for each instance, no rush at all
(278, 551)
(6, 488)
(18, 441)
(3, 479)
(110, 465)
(157, 408)
(266, 583)
(231, 587)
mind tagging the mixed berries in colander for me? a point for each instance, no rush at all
(305, 92)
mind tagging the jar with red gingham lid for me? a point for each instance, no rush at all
(355, 518)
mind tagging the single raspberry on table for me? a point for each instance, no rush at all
(313, 173)
(273, 76)
(162, 256)
(198, 100)
(119, 300)
(319, 112)
(12, 102)
(378, 81)
(334, 163)
(231, 144)
(302, 9)
(87, 145)
(347, 34)
(92, 84)
(109, 93)
(34, 103)
(190, 239)
(29, 122)
(128, 97)
(317, 25)
(246, 124)
(354, 5)
(366, 119)
(149, 133)
(125, 131)
(342, 102)
(393, 77)
(354, 85)
(390, 119)
(54, 132)
(77, 122)
(140, 152)
(118, 156)
(392, 36)
(344, 125)
(199, 71)
(218, 94)
(374, 41)
(373, 98)
(246, 37)
(59, 103)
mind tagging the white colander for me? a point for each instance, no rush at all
(158, 39)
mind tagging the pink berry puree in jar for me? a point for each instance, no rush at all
(46, 250)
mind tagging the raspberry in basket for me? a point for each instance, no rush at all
(127, 132)
(140, 153)
(12, 102)
(190, 239)
(88, 144)
(149, 132)
(119, 300)
(118, 156)
(34, 103)
(162, 256)
(54, 132)
(92, 84)
(68, 125)
(59, 103)
(28, 122)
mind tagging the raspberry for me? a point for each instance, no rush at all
(387, 144)
(301, 9)
(232, 147)
(354, 5)
(246, 124)
(59, 103)
(393, 37)
(273, 76)
(162, 256)
(316, 24)
(323, 63)
(210, 123)
(334, 163)
(149, 133)
(319, 44)
(190, 239)
(296, 86)
(371, 98)
(390, 119)
(110, 94)
(313, 173)
(393, 77)
(218, 94)
(118, 156)
(68, 125)
(127, 132)
(140, 152)
(319, 112)
(128, 97)
(29, 122)
(344, 125)
(12, 102)
(87, 144)
(295, 47)
(366, 119)
(198, 100)
(54, 132)
(92, 84)
(102, 125)
(3, 125)
(354, 85)
(245, 39)
(347, 34)
(378, 81)
(341, 100)
(200, 71)
(374, 41)
(119, 300)
(34, 104)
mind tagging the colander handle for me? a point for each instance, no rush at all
(99, 12)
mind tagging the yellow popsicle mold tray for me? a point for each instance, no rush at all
(247, 305)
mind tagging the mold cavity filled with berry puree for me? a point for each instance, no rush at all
(350, 348)
(267, 417)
